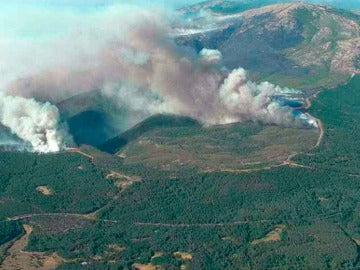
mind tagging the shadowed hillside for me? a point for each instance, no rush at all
(154, 122)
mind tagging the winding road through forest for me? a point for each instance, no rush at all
(94, 215)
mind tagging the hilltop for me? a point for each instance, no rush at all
(293, 44)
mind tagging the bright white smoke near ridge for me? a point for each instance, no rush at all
(135, 60)
(247, 100)
(33, 122)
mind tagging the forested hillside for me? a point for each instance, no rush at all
(288, 217)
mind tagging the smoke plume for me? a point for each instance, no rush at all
(33, 122)
(138, 64)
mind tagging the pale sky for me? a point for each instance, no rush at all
(84, 4)
(29, 18)
(96, 3)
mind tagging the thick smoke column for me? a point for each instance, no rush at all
(195, 85)
(211, 56)
(34, 122)
(247, 100)
(137, 62)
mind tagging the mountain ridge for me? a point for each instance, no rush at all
(294, 44)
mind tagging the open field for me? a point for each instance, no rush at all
(244, 146)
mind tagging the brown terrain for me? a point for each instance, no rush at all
(44, 190)
(317, 51)
(18, 259)
(274, 235)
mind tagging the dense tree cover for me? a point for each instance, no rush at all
(221, 219)
(340, 113)
(76, 185)
(314, 229)
(9, 230)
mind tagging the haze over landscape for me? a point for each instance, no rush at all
(179, 135)
(136, 62)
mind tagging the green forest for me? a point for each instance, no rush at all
(113, 214)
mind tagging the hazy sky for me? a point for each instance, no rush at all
(90, 4)
(40, 18)
(96, 3)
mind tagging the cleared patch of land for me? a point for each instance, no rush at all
(123, 181)
(44, 190)
(18, 259)
(79, 151)
(237, 147)
(274, 235)
(157, 255)
(183, 255)
(148, 266)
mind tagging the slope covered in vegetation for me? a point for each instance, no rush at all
(280, 218)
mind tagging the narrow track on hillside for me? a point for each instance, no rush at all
(90, 216)
(234, 223)
(289, 161)
(78, 150)
(317, 120)
(179, 225)
(186, 225)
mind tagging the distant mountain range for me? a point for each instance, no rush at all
(240, 5)
(294, 44)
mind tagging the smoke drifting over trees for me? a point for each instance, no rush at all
(33, 122)
(138, 63)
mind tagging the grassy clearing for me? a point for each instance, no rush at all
(234, 147)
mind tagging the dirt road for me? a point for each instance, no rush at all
(19, 259)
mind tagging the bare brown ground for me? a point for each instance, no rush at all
(44, 190)
(183, 255)
(148, 266)
(157, 255)
(116, 248)
(272, 236)
(18, 259)
(124, 181)
(321, 129)
(119, 175)
(357, 241)
(78, 150)
(287, 162)
(318, 121)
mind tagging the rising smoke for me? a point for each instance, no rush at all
(138, 64)
(33, 122)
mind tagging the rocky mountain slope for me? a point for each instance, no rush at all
(294, 44)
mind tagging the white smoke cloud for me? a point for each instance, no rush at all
(34, 122)
(211, 56)
(134, 60)
(246, 100)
